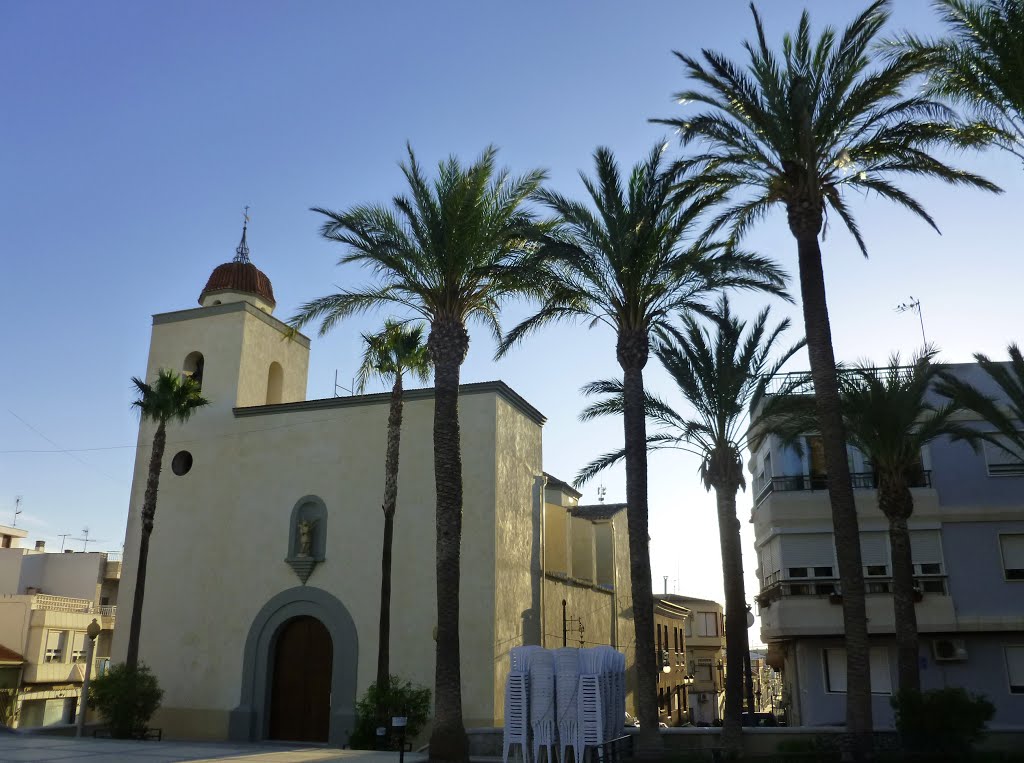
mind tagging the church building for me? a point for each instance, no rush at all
(263, 586)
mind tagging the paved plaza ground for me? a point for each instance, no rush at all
(24, 747)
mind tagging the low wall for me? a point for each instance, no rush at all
(487, 743)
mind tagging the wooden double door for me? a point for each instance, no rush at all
(300, 702)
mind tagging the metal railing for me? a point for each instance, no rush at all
(108, 610)
(816, 482)
(800, 382)
(821, 587)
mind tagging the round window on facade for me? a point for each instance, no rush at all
(181, 463)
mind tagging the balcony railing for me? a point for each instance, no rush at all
(815, 482)
(61, 603)
(108, 610)
(821, 587)
(800, 382)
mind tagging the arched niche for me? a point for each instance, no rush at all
(275, 383)
(194, 365)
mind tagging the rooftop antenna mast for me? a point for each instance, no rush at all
(62, 537)
(350, 390)
(85, 540)
(914, 305)
(601, 492)
(17, 509)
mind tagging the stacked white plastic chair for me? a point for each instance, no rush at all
(563, 698)
(517, 704)
(567, 683)
(543, 726)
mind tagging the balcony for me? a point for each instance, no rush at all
(812, 606)
(819, 482)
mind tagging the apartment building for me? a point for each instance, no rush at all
(47, 600)
(967, 535)
(704, 638)
(674, 678)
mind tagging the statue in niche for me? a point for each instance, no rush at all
(306, 529)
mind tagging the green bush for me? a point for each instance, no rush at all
(126, 699)
(399, 698)
(941, 720)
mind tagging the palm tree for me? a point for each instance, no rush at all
(981, 63)
(624, 263)
(451, 251)
(719, 376)
(1007, 420)
(171, 398)
(390, 354)
(798, 130)
(890, 416)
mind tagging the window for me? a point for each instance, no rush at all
(707, 623)
(78, 647)
(688, 628)
(55, 644)
(1012, 547)
(770, 560)
(1000, 463)
(835, 670)
(874, 552)
(703, 670)
(805, 552)
(1015, 668)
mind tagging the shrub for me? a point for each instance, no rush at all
(126, 699)
(398, 698)
(941, 720)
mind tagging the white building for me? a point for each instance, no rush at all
(47, 600)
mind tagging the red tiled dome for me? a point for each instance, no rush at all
(242, 277)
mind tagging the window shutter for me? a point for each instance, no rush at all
(926, 546)
(881, 678)
(1015, 667)
(807, 550)
(54, 639)
(835, 664)
(1013, 551)
(874, 548)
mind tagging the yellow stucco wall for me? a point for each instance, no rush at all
(221, 531)
(517, 542)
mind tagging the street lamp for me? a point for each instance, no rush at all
(91, 633)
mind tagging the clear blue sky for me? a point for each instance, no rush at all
(132, 134)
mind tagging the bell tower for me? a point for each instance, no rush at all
(241, 354)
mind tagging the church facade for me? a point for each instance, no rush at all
(263, 585)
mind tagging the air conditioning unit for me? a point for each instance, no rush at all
(949, 650)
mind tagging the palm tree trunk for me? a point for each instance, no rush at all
(390, 504)
(448, 344)
(840, 491)
(632, 351)
(737, 644)
(148, 513)
(897, 504)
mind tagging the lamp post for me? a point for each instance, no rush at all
(746, 664)
(91, 633)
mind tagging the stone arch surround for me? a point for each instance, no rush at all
(249, 721)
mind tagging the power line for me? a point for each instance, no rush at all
(64, 450)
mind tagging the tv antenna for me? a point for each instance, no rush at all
(601, 492)
(17, 509)
(85, 540)
(914, 305)
(350, 390)
(62, 537)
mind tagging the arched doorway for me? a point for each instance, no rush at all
(300, 699)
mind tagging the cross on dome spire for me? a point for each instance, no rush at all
(242, 250)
